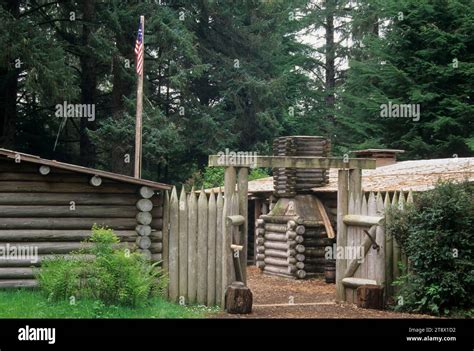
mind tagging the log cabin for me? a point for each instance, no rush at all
(49, 207)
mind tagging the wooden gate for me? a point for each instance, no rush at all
(366, 255)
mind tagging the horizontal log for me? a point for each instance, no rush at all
(260, 249)
(156, 235)
(354, 283)
(37, 261)
(313, 268)
(278, 245)
(157, 223)
(301, 274)
(156, 257)
(290, 235)
(275, 237)
(143, 242)
(277, 269)
(144, 218)
(145, 253)
(318, 242)
(260, 257)
(315, 260)
(156, 248)
(299, 265)
(260, 231)
(315, 252)
(362, 221)
(300, 257)
(18, 283)
(276, 253)
(54, 248)
(260, 264)
(87, 211)
(143, 230)
(300, 248)
(68, 223)
(281, 219)
(300, 230)
(39, 187)
(299, 239)
(44, 198)
(146, 192)
(58, 235)
(18, 273)
(296, 162)
(273, 261)
(315, 234)
(144, 205)
(278, 228)
(313, 224)
(259, 241)
(235, 220)
(260, 223)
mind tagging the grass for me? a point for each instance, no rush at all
(33, 304)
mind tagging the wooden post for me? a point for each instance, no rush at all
(192, 246)
(138, 126)
(219, 239)
(202, 249)
(183, 246)
(227, 265)
(174, 246)
(342, 208)
(211, 251)
(243, 210)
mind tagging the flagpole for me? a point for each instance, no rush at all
(138, 125)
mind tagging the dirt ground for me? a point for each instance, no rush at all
(276, 297)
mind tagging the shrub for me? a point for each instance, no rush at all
(114, 277)
(437, 234)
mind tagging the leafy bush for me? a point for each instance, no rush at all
(437, 234)
(114, 277)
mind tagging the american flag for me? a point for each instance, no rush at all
(139, 51)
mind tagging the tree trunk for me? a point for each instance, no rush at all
(8, 90)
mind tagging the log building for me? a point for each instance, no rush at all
(49, 207)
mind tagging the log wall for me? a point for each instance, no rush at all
(53, 213)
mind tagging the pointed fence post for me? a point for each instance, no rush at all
(192, 246)
(166, 221)
(219, 240)
(202, 248)
(183, 246)
(396, 247)
(211, 251)
(174, 247)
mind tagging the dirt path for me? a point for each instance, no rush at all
(276, 297)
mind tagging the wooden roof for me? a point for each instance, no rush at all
(418, 175)
(79, 169)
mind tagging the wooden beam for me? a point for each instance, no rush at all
(362, 221)
(295, 162)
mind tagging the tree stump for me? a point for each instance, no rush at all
(370, 296)
(238, 299)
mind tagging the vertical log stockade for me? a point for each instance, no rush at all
(194, 237)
